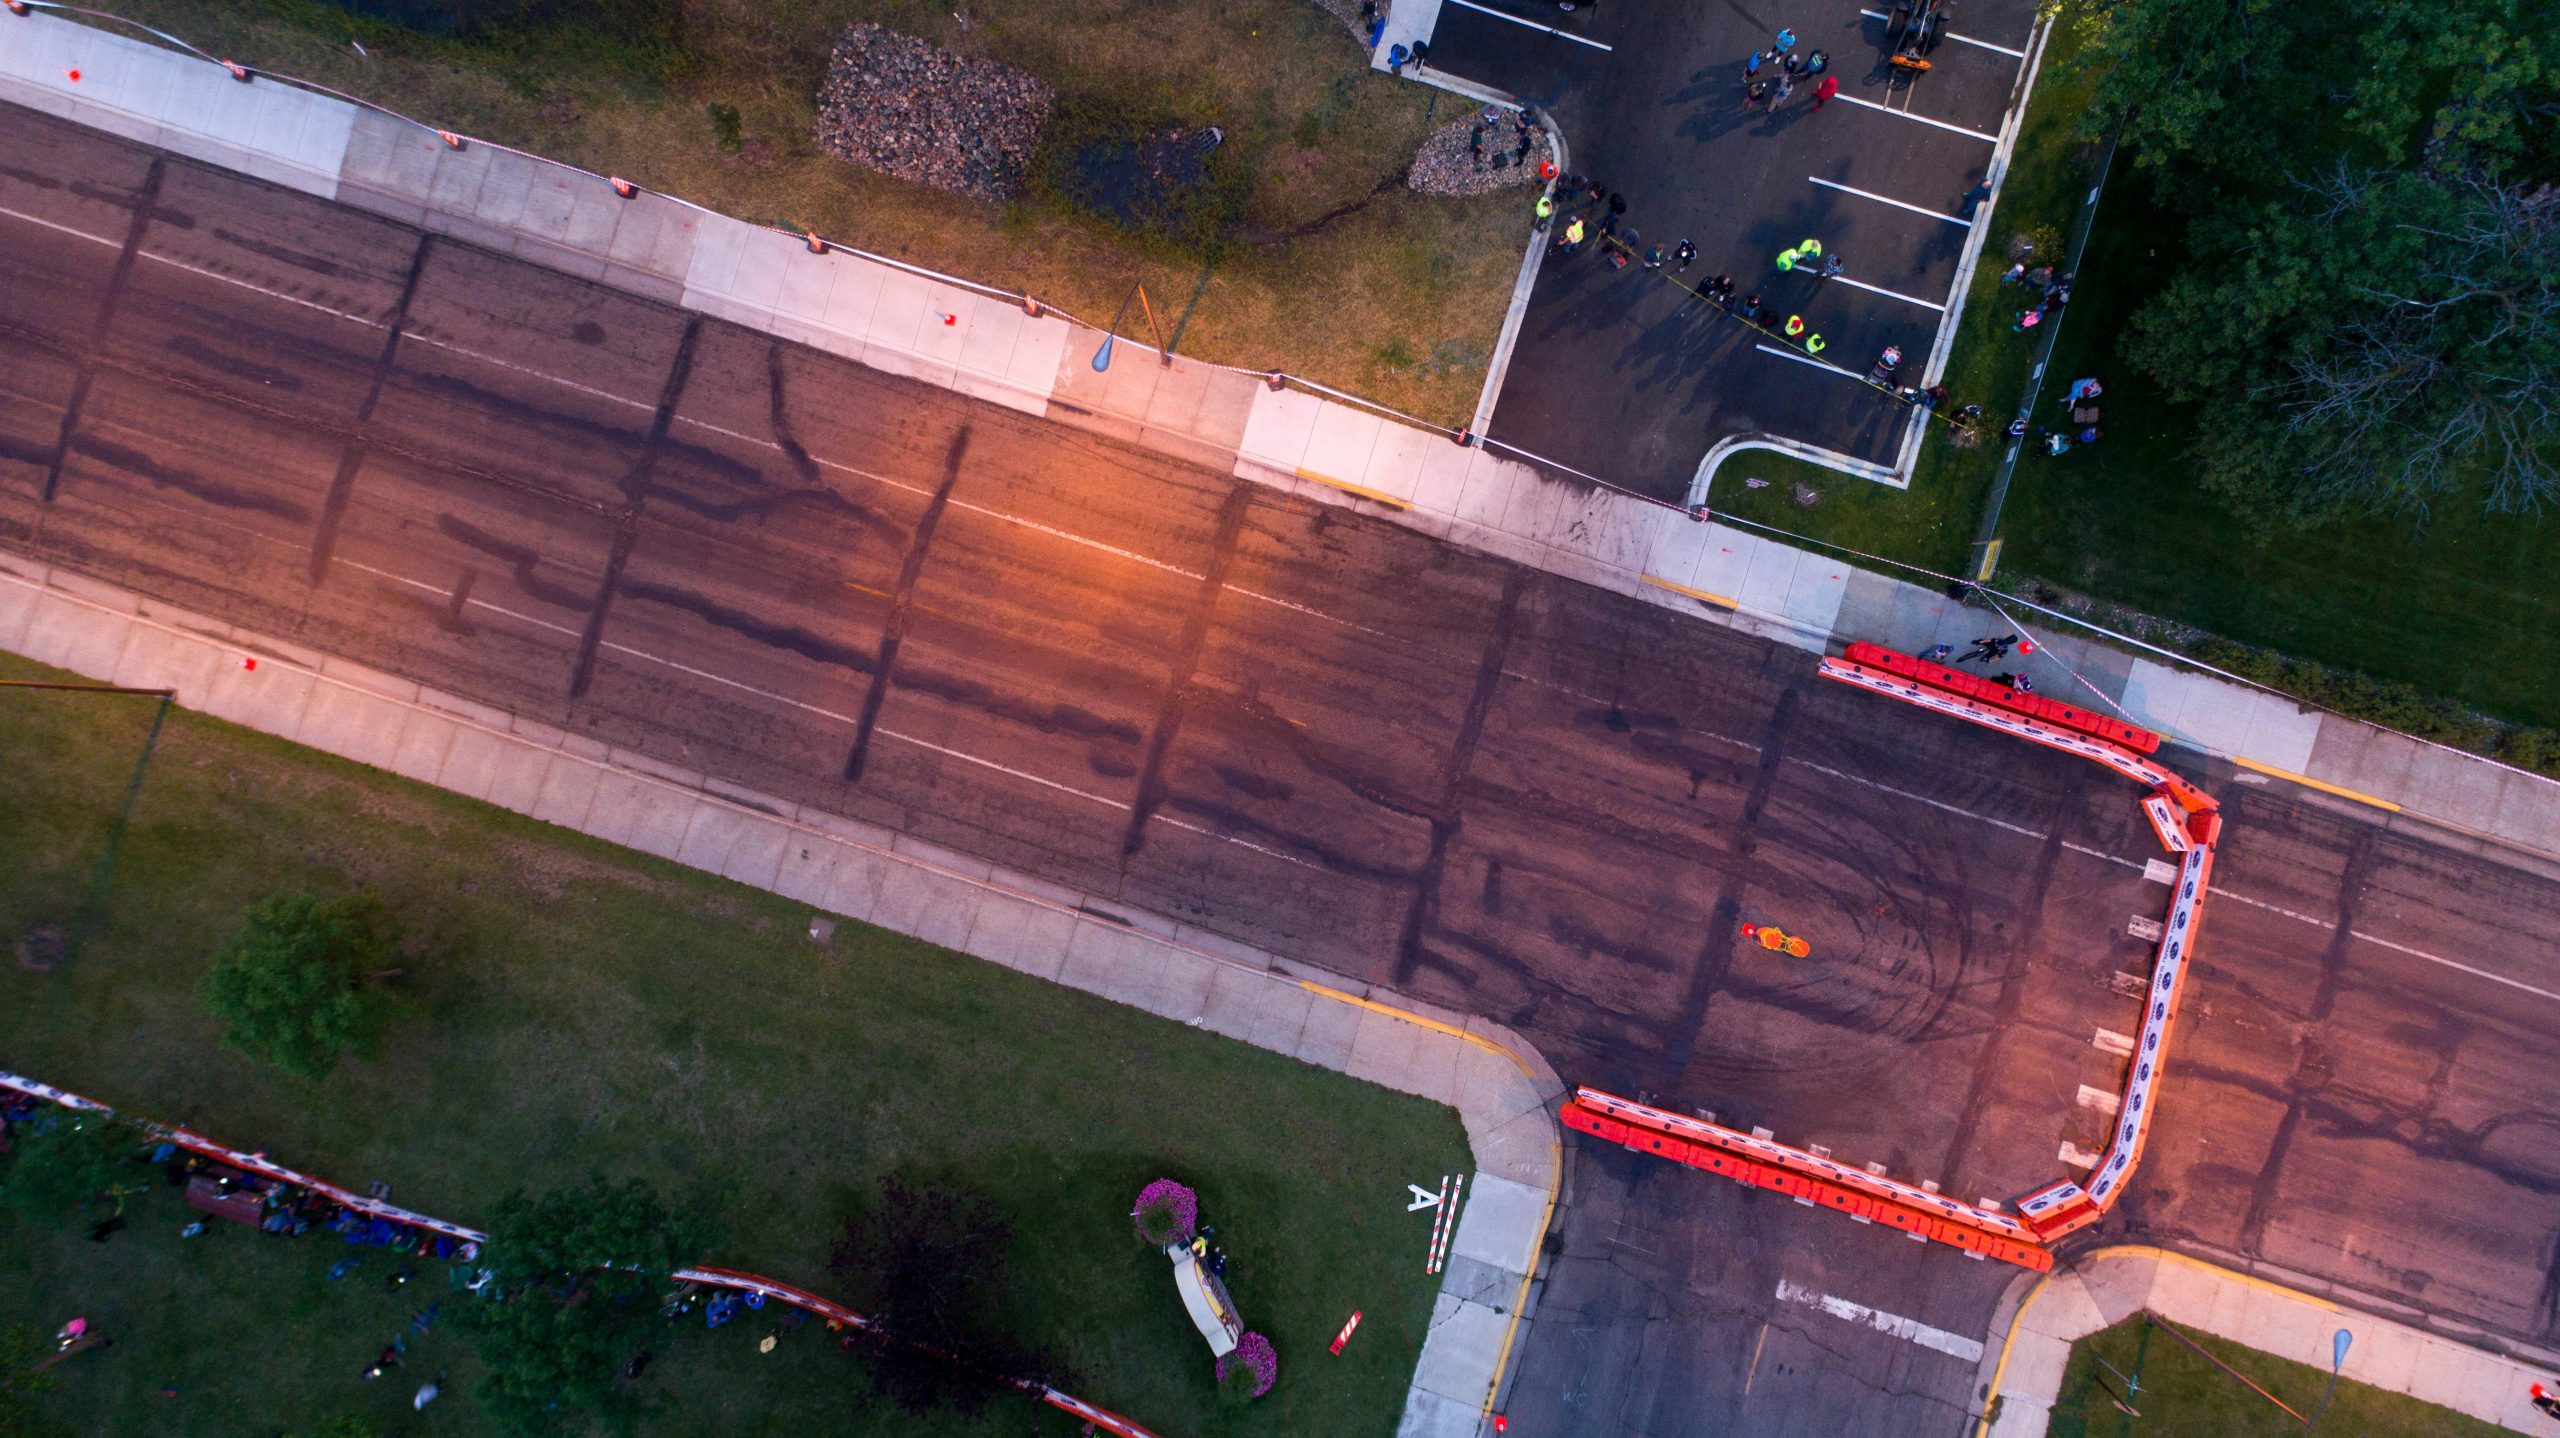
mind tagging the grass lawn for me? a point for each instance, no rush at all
(2182, 1396)
(1399, 300)
(2464, 607)
(575, 1008)
(1932, 523)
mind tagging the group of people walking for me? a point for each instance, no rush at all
(1769, 77)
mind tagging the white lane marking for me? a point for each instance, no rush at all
(643, 405)
(2099, 1099)
(1920, 798)
(1801, 358)
(1889, 294)
(1246, 843)
(1910, 1330)
(1923, 119)
(1964, 39)
(2450, 964)
(368, 321)
(2108, 1041)
(1104, 800)
(113, 244)
(1959, 223)
(1532, 24)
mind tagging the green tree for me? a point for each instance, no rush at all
(580, 1272)
(927, 1266)
(2380, 340)
(298, 983)
(2223, 94)
(79, 1156)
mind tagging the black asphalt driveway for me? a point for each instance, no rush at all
(1617, 373)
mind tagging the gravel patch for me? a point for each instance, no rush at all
(1476, 156)
(896, 104)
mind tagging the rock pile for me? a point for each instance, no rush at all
(1476, 155)
(906, 108)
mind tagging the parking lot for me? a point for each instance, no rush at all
(1619, 373)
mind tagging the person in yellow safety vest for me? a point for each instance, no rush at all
(1809, 250)
(1546, 206)
(1795, 326)
(1573, 235)
(1786, 260)
(1813, 344)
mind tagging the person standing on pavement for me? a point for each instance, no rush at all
(1683, 253)
(1823, 90)
(1786, 87)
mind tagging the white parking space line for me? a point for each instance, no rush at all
(1802, 358)
(1889, 294)
(1962, 39)
(1923, 119)
(1910, 1330)
(1962, 224)
(1532, 24)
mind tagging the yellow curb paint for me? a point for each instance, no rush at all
(1378, 496)
(2000, 1370)
(1702, 596)
(1555, 1159)
(1520, 1300)
(2306, 781)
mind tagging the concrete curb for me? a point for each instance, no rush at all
(1504, 1092)
(2040, 1317)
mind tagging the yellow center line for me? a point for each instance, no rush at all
(2306, 781)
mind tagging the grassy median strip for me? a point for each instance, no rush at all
(2183, 1396)
(574, 1008)
(1337, 271)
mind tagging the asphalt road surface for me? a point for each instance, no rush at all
(1330, 736)
(1621, 375)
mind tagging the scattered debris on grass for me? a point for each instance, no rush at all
(1474, 156)
(896, 104)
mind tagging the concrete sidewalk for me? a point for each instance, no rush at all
(1503, 1091)
(984, 343)
(2041, 1317)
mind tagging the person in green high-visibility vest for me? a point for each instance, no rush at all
(1788, 258)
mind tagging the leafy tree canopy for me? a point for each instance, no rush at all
(64, 1163)
(2377, 341)
(580, 1274)
(2368, 302)
(294, 984)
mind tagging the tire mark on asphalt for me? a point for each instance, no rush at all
(1724, 925)
(333, 509)
(144, 203)
(894, 632)
(2312, 1072)
(2021, 950)
(1178, 695)
(1453, 774)
(635, 491)
(779, 417)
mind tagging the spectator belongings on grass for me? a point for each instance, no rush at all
(895, 104)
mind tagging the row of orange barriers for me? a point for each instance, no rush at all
(1723, 1151)
(2034, 706)
(2188, 823)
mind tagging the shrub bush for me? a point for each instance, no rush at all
(1166, 1213)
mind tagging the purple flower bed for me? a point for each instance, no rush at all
(1166, 1212)
(1251, 1369)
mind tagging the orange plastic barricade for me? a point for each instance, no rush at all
(1859, 1194)
(1975, 686)
(2188, 823)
